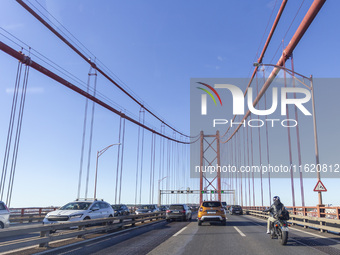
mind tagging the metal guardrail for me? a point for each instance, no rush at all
(319, 223)
(31, 210)
(312, 211)
(32, 214)
(46, 233)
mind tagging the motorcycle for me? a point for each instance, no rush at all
(279, 229)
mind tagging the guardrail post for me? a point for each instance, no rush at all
(304, 211)
(82, 227)
(44, 233)
(321, 214)
(321, 211)
(22, 211)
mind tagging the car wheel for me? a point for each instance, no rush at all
(87, 218)
(199, 223)
(224, 222)
(2, 225)
(168, 220)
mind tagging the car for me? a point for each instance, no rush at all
(163, 208)
(4, 215)
(147, 209)
(211, 211)
(120, 210)
(194, 208)
(236, 209)
(80, 210)
(178, 212)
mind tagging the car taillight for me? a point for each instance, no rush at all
(183, 211)
(201, 209)
(168, 211)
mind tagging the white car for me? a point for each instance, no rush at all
(4, 215)
(79, 210)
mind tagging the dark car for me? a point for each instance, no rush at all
(163, 208)
(178, 212)
(120, 210)
(194, 208)
(147, 209)
(236, 209)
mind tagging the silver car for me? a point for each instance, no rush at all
(4, 215)
(80, 210)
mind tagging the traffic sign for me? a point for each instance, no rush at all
(320, 187)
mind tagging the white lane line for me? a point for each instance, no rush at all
(239, 231)
(325, 237)
(299, 230)
(180, 231)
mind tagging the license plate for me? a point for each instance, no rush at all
(175, 212)
(211, 212)
(284, 229)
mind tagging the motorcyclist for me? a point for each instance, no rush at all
(274, 209)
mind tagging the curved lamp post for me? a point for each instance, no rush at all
(99, 153)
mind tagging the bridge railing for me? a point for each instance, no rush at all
(306, 217)
(31, 214)
(312, 211)
(44, 234)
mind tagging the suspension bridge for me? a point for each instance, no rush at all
(127, 153)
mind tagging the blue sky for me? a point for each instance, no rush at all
(155, 47)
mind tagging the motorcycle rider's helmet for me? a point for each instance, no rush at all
(276, 198)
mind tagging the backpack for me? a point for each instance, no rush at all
(284, 214)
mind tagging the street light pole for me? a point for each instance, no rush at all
(99, 153)
(159, 191)
(311, 88)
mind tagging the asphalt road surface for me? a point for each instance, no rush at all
(241, 235)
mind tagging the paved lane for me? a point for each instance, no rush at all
(242, 235)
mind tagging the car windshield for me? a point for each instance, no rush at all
(76, 206)
(176, 207)
(146, 207)
(116, 207)
(2, 206)
(224, 203)
(237, 207)
(211, 204)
